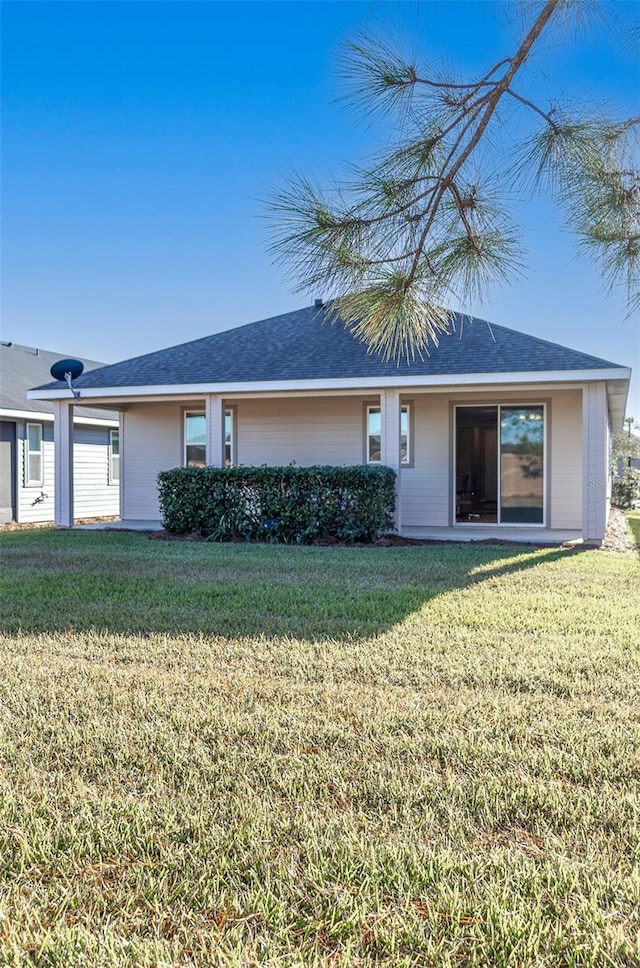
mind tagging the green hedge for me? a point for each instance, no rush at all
(625, 490)
(288, 504)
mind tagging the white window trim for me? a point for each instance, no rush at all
(545, 494)
(113, 479)
(371, 408)
(408, 461)
(231, 411)
(185, 416)
(375, 408)
(29, 481)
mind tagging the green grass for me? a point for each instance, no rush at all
(633, 522)
(240, 755)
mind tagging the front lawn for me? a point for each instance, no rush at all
(633, 521)
(236, 755)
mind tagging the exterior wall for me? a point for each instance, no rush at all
(595, 460)
(35, 502)
(564, 442)
(151, 442)
(330, 430)
(307, 431)
(426, 487)
(7, 471)
(321, 430)
(94, 495)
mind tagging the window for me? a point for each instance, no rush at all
(500, 464)
(195, 439)
(405, 435)
(229, 439)
(34, 461)
(114, 456)
(374, 435)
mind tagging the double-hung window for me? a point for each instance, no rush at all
(229, 441)
(114, 456)
(374, 434)
(405, 435)
(195, 439)
(34, 455)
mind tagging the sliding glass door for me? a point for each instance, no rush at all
(499, 464)
(522, 465)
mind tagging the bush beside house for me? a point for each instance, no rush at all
(294, 505)
(625, 464)
(625, 490)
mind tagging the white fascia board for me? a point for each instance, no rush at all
(42, 417)
(96, 422)
(349, 383)
(26, 415)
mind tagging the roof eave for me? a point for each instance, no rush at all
(618, 374)
(40, 416)
(617, 394)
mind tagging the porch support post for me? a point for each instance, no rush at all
(390, 427)
(63, 463)
(595, 461)
(122, 462)
(214, 411)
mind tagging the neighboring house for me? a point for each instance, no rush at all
(494, 434)
(27, 478)
(626, 452)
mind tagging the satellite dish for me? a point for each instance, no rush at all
(60, 369)
(68, 370)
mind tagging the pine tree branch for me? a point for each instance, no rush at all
(416, 226)
(494, 99)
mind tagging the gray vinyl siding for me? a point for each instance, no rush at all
(34, 502)
(94, 495)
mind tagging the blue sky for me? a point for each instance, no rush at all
(141, 137)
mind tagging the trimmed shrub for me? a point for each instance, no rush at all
(625, 490)
(295, 505)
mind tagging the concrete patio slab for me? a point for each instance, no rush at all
(125, 525)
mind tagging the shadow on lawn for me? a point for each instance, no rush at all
(115, 583)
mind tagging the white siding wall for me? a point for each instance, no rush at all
(34, 502)
(152, 442)
(564, 440)
(595, 460)
(94, 496)
(425, 487)
(93, 493)
(307, 431)
(331, 431)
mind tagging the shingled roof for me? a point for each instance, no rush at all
(304, 345)
(22, 367)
